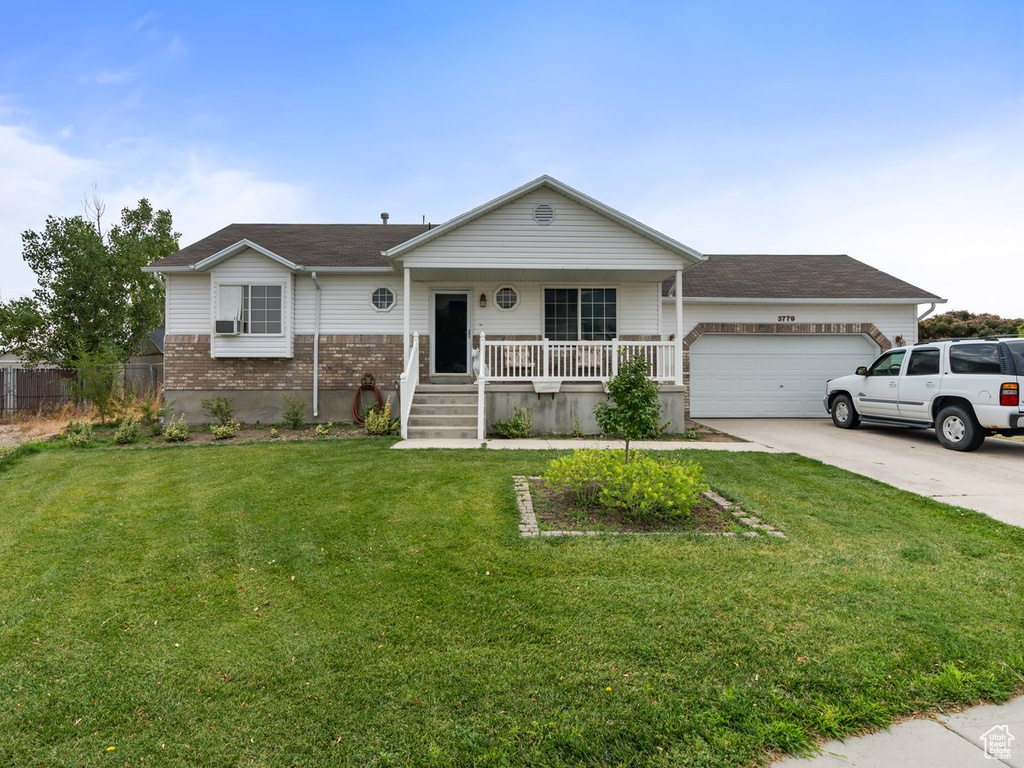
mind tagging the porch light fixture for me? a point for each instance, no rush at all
(483, 299)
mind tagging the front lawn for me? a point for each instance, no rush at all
(338, 602)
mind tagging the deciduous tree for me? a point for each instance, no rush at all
(961, 324)
(632, 411)
(92, 292)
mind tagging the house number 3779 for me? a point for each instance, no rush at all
(787, 318)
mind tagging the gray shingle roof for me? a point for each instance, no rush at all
(759, 276)
(309, 245)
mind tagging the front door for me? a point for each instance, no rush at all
(878, 394)
(451, 333)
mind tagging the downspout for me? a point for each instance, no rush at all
(926, 312)
(316, 349)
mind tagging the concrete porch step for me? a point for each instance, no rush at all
(444, 411)
(467, 388)
(465, 422)
(444, 398)
(443, 433)
(420, 408)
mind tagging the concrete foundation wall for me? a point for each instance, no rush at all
(263, 407)
(554, 414)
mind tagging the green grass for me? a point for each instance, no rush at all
(338, 602)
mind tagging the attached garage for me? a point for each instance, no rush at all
(765, 375)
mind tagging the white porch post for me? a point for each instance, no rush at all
(679, 327)
(481, 377)
(406, 317)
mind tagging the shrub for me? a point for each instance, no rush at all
(649, 489)
(176, 431)
(225, 431)
(127, 431)
(294, 412)
(322, 430)
(577, 428)
(78, 434)
(152, 413)
(519, 424)
(219, 408)
(379, 421)
(644, 490)
(274, 433)
(97, 381)
(582, 473)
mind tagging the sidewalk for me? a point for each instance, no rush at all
(947, 741)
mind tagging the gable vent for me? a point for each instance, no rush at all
(543, 214)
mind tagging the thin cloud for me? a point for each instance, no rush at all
(203, 194)
(204, 197)
(176, 48)
(145, 20)
(109, 77)
(945, 217)
(36, 180)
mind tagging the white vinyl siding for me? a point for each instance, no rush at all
(188, 304)
(345, 307)
(578, 238)
(253, 269)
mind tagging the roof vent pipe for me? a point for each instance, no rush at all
(384, 218)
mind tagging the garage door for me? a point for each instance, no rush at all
(750, 375)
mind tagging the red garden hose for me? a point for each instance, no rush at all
(369, 385)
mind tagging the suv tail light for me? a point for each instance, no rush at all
(1009, 394)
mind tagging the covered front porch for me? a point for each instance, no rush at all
(538, 289)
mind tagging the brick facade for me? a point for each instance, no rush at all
(343, 361)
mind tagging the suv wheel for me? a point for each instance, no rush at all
(843, 414)
(957, 429)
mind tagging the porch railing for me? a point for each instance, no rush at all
(572, 360)
(407, 384)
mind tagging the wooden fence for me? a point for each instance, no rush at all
(36, 389)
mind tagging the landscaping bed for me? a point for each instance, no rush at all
(556, 510)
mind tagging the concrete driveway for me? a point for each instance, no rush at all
(990, 480)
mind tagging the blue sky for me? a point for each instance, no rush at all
(893, 132)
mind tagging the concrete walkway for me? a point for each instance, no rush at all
(540, 444)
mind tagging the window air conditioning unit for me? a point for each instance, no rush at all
(228, 327)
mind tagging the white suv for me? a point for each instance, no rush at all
(965, 388)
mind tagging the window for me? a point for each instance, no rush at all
(888, 364)
(574, 314)
(253, 309)
(262, 309)
(506, 297)
(383, 299)
(923, 362)
(974, 358)
(1017, 352)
